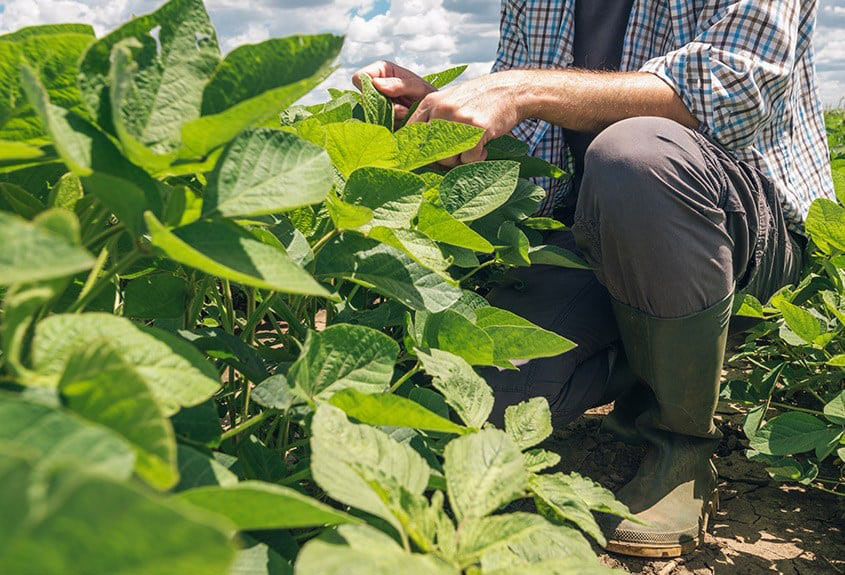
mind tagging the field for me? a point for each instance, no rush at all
(239, 336)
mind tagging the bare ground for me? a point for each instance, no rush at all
(762, 527)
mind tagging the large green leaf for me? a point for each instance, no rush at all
(529, 423)
(834, 410)
(342, 357)
(426, 143)
(58, 436)
(792, 432)
(465, 391)
(393, 196)
(549, 550)
(176, 373)
(482, 535)
(197, 469)
(369, 553)
(88, 153)
(799, 320)
(54, 53)
(99, 386)
(377, 108)
(826, 225)
(255, 82)
(517, 338)
(556, 498)
(416, 245)
(484, 471)
(258, 505)
(33, 253)
(266, 171)
(177, 53)
(259, 559)
(474, 190)
(341, 451)
(223, 249)
(387, 409)
(355, 145)
(450, 331)
(445, 77)
(441, 226)
(387, 270)
(66, 521)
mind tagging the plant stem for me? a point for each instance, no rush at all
(794, 408)
(321, 243)
(411, 373)
(256, 316)
(287, 314)
(247, 425)
(230, 308)
(221, 309)
(248, 334)
(121, 266)
(477, 269)
(197, 303)
(105, 234)
(298, 476)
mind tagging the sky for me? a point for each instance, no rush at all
(424, 35)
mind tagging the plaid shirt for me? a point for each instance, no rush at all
(744, 68)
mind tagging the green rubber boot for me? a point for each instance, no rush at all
(674, 491)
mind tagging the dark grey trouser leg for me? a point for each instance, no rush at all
(571, 303)
(672, 223)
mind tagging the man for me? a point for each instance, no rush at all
(710, 150)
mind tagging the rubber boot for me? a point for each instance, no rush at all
(633, 402)
(674, 491)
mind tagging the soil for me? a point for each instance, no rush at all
(762, 527)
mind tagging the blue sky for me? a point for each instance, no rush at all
(426, 35)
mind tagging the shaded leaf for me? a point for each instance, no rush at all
(386, 409)
(465, 391)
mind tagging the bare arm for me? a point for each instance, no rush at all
(574, 99)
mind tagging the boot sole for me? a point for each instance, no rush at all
(667, 551)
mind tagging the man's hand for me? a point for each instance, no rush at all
(397, 83)
(490, 102)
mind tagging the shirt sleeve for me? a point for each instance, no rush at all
(512, 52)
(736, 72)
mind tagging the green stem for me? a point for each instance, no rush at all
(831, 491)
(197, 303)
(121, 266)
(221, 309)
(230, 307)
(794, 408)
(248, 335)
(476, 269)
(104, 235)
(256, 316)
(411, 373)
(247, 425)
(280, 307)
(321, 243)
(296, 477)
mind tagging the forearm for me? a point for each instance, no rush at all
(587, 101)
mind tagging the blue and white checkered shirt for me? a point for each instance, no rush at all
(744, 68)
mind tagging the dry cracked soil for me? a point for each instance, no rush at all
(762, 527)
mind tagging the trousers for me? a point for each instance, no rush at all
(671, 224)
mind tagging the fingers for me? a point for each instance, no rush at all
(413, 88)
(380, 69)
(477, 154)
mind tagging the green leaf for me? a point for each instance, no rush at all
(155, 296)
(254, 82)
(58, 436)
(355, 145)
(834, 410)
(557, 499)
(529, 423)
(474, 190)
(347, 216)
(440, 226)
(482, 535)
(484, 471)
(537, 460)
(377, 108)
(177, 374)
(99, 386)
(386, 409)
(88, 153)
(259, 559)
(18, 200)
(223, 249)
(375, 555)
(387, 270)
(465, 391)
(66, 192)
(393, 196)
(343, 357)
(446, 77)
(32, 253)
(792, 432)
(177, 53)
(69, 522)
(257, 505)
(543, 224)
(199, 423)
(746, 305)
(416, 245)
(549, 550)
(556, 256)
(521, 204)
(596, 497)
(837, 360)
(266, 171)
(340, 449)
(422, 144)
(826, 225)
(196, 469)
(452, 332)
(513, 246)
(275, 393)
(260, 462)
(803, 323)
(517, 338)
